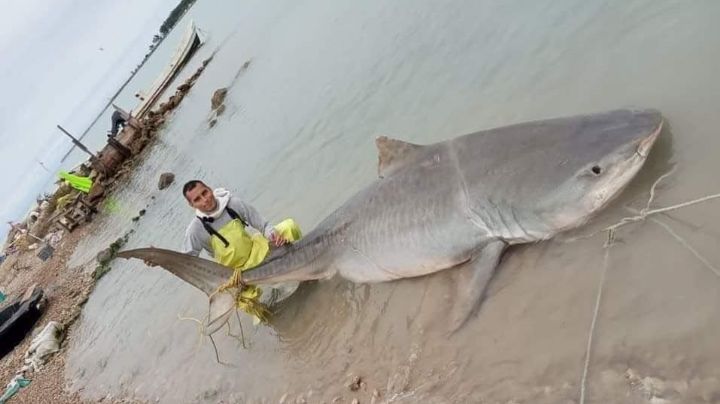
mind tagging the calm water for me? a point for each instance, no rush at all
(297, 139)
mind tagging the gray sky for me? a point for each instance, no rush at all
(53, 71)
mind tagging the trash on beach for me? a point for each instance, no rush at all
(13, 387)
(46, 343)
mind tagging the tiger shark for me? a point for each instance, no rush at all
(457, 203)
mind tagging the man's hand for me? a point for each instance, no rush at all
(277, 239)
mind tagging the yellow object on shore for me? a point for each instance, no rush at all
(82, 184)
(64, 200)
(243, 252)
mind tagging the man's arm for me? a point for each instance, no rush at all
(192, 244)
(251, 216)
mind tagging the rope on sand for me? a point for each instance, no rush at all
(610, 230)
(591, 333)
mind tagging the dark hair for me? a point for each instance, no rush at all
(190, 185)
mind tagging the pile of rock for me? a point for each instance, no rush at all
(155, 119)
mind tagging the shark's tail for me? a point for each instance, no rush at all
(204, 274)
(307, 259)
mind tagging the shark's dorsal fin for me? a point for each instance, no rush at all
(392, 154)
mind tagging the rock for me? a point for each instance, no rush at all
(212, 123)
(183, 87)
(173, 102)
(136, 218)
(355, 383)
(355, 401)
(220, 110)
(104, 256)
(165, 180)
(218, 98)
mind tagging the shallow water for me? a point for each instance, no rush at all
(297, 140)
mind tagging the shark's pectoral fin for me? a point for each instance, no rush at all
(473, 278)
(221, 307)
(393, 153)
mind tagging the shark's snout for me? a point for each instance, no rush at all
(645, 144)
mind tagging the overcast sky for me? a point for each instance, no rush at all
(61, 62)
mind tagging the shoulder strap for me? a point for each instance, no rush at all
(205, 222)
(212, 231)
(235, 215)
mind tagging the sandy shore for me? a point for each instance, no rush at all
(67, 289)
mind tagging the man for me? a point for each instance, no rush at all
(214, 210)
(117, 123)
(220, 228)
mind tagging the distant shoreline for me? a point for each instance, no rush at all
(112, 99)
(165, 29)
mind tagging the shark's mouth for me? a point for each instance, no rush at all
(643, 148)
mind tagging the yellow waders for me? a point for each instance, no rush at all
(244, 252)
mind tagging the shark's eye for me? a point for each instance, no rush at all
(596, 170)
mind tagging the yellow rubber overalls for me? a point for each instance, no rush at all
(233, 247)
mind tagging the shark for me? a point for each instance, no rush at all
(454, 204)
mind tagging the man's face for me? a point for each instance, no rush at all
(201, 198)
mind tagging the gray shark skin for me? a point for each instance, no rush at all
(457, 203)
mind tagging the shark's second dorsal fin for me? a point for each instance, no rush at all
(393, 153)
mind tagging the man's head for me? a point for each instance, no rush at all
(199, 196)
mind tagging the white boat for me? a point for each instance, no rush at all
(191, 40)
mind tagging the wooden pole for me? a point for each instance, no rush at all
(77, 142)
(93, 158)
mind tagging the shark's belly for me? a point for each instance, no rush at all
(412, 223)
(403, 245)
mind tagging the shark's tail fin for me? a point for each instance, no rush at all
(308, 259)
(204, 274)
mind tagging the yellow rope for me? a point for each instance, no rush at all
(250, 305)
(235, 281)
